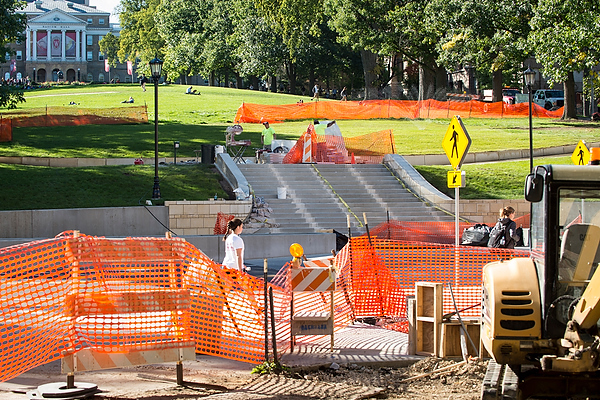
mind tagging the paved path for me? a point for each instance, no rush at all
(359, 344)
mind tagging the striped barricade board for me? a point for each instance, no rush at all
(150, 313)
(316, 276)
(93, 360)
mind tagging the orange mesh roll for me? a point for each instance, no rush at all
(372, 109)
(221, 223)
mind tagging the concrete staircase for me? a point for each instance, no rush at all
(320, 197)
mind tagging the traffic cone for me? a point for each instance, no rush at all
(352, 160)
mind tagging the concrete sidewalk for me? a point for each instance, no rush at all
(359, 344)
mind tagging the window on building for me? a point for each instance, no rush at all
(90, 57)
(100, 77)
(7, 56)
(19, 55)
(90, 40)
(100, 38)
(90, 21)
(90, 77)
(101, 21)
(100, 56)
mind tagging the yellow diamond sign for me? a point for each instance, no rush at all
(456, 142)
(581, 155)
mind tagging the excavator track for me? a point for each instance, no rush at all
(500, 382)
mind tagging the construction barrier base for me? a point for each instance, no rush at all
(59, 391)
(93, 360)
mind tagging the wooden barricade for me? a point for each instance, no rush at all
(315, 276)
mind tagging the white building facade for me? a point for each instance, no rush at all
(61, 43)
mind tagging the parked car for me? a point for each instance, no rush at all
(549, 99)
(509, 94)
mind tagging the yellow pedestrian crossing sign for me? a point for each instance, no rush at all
(456, 142)
(581, 154)
(456, 179)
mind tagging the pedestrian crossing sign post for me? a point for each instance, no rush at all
(581, 154)
(456, 142)
(456, 179)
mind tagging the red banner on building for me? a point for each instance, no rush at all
(106, 66)
(129, 68)
(13, 65)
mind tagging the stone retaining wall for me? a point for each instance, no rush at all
(199, 217)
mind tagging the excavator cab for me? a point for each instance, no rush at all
(540, 314)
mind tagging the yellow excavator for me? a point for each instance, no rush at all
(540, 314)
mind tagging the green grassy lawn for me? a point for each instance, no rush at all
(197, 120)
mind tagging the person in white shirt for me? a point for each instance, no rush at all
(234, 246)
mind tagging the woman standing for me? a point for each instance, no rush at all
(234, 245)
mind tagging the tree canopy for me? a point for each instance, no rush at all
(12, 30)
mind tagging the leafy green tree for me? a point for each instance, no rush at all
(565, 36)
(181, 25)
(109, 45)
(140, 36)
(362, 24)
(11, 30)
(416, 42)
(489, 35)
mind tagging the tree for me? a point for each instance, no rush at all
(181, 26)
(565, 34)
(489, 35)
(11, 30)
(109, 45)
(416, 42)
(140, 36)
(362, 24)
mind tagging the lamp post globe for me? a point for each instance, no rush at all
(529, 76)
(156, 70)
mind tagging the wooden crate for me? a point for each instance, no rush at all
(429, 297)
(450, 338)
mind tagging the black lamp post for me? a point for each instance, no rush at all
(175, 147)
(529, 76)
(156, 69)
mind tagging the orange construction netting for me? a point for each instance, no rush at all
(221, 223)
(373, 109)
(73, 292)
(5, 129)
(71, 115)
(364, 149)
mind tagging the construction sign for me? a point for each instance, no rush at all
(581, 154)
(456, 142)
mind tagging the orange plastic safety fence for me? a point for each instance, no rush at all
(364, 149)
(385, 271)
(371, 109)
(221, 223)
(5, 129)
(73, 292)
(65, 116)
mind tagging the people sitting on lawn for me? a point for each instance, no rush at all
(190, 90)
(129, 100)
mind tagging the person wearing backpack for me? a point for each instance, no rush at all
(504, 234)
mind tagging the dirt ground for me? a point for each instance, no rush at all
(453, 380)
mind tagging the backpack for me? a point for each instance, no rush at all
(497, 235)
(477, 235)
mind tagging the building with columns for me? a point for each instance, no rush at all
(61, 43)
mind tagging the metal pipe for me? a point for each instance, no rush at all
(156, 189)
